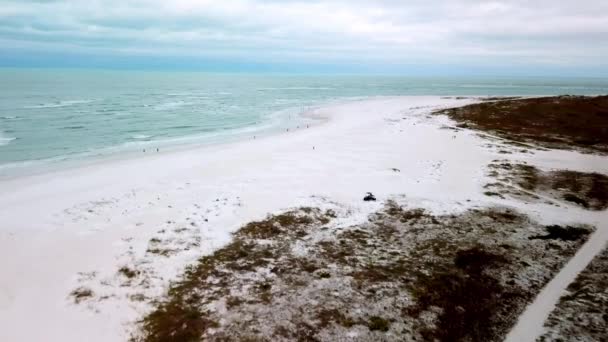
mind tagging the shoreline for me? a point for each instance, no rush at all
(39, 167)
(76, 227)
(118, 153)
(64, 168)
(89, 162)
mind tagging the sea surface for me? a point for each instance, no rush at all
(54, 117)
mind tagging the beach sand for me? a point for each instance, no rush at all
(75, 229)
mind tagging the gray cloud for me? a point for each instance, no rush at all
(517, 32)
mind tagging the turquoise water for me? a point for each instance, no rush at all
(53, 116)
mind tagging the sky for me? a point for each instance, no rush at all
(553, 37)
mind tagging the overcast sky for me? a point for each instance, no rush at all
(549, 36)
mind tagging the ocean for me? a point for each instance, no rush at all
(52, 117)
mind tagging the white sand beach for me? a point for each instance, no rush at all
(75, 228)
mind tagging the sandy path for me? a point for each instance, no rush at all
(530, 324)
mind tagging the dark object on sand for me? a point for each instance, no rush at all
(369, 197)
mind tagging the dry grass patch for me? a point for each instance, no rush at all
(567, 233)
(81, 294)
(166, 252)
(563, 122)
(582, 313)
(588, 190)
(182, 316)
(404, 274)
(128, 272)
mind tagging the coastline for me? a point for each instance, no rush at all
(60, 227)
(287, 118)
(134, 149)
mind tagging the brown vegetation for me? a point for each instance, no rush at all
(563, 122)
(128, 272)
(588, 190)
(403, 275)
(567, 233)
(80, 294)
(182, 317)
(582, 313)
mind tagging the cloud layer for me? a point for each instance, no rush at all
(383, 32)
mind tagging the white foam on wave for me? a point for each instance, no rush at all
(295, 88)
(171, 105)
(9, 117)
(141, 136)
(265, 124)
(59, 104)
(5, 140)
(187, 94)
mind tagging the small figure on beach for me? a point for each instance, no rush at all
(144, 150)
(157, 149)
(369, 197)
